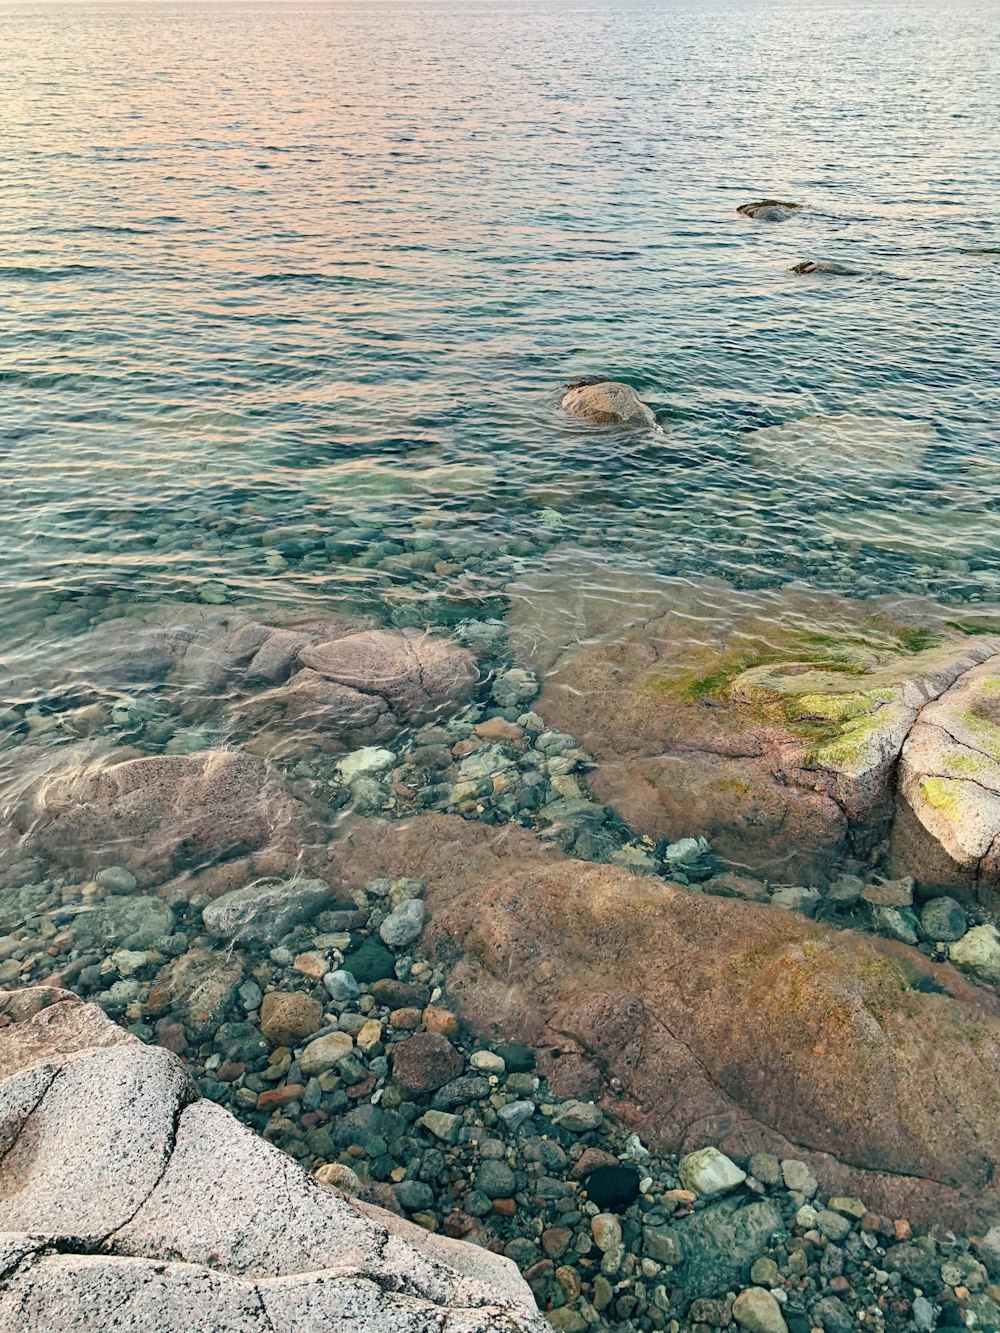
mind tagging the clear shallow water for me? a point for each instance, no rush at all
(290, 292)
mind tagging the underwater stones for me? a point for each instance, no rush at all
(720, 1244)
(368, 760)
(403, 925)
(286, 1017)
(613, 1188)
(425, 1062)
(769, 210)
(321, 710)
(943, 920)
(631, 978)
(162, 815)
(978, 952)
(341, 986)
(835, 446)
(134, 923)
(417, 674)
(200, 987)
(264, 913)
(756, 1310)
(608, 403)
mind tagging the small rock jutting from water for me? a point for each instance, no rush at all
(834, 267)
(769, 210)
(607, 403)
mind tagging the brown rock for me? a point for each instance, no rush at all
(769, 721)
(159, 815)
(291, 1092)
(416, 674)
(555, 1240)
(425, 1062)
(311, 965)
(288, 1017)
(652, 986)
(498, 729)
(399, 994)
(440, 1020)
(405, 1020)
(589, 1160)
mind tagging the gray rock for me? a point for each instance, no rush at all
(264, 913)
(917, 1264)
(122, 1194)
(720, 1245)
(832, 1315)
(402, 926)
(924, 1318)
(341, 986)
(943, 919)
(414, 1195)
(514, 1114)
(899, 923)
(496, 1180)
(578, 1116)
(133, 923)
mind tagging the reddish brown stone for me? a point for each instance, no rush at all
(362, 1089)
(405, 1020)
(505, 1207)
(230, 1070)
(707, 1010)
(171, 1036)
(555, 1241)
(425, 1062)
(589, 1160)
(288, 1017)
(291, 1092)
(440, 1020)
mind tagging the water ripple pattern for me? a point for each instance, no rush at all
(289, 292)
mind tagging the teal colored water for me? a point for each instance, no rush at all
(290, 293)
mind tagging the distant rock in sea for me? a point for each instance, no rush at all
(769, 210)
(607, 403)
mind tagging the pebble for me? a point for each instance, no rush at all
(756, 1310)
(325, 1053)
(709, 1172)
(404, 924)
(341, 986)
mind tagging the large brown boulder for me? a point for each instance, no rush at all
(418, 675)
(769, 721)
(160, 816)
(123, 1191)
(706, 1020)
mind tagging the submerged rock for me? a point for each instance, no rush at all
(773, 721)
(264, 913)
(607, 403)
(129, 1192)
(159, 815)
(834, 447)
(612, 976)
(417, 674)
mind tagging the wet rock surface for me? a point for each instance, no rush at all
(607, 403)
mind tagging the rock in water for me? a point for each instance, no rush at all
(129, 1192)
(265, 913)
(757, 1311)
(769, 210)
(608, 403)
(831, 266)
(613, 1188)
(709, 1172)
(652, 975)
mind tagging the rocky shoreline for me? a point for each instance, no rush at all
(424, 954)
